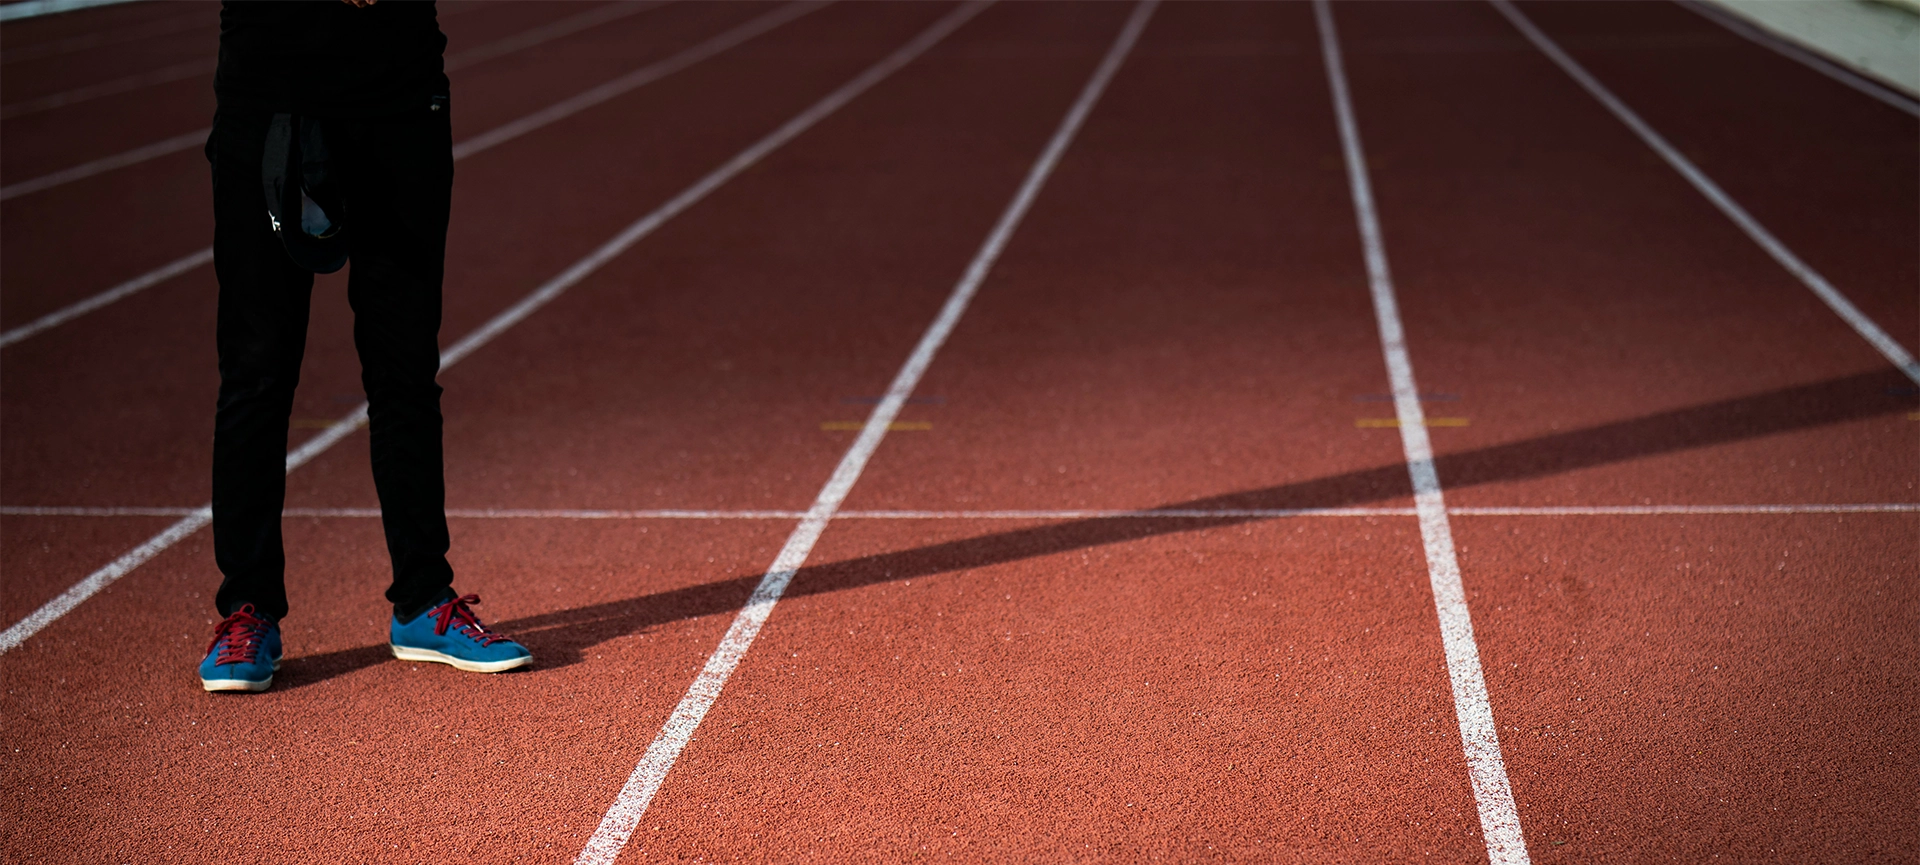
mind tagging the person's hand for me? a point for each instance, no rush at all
(360, 4)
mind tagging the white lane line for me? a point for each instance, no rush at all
(104, 164)
(164, 27)
(1286, 513)
(624, 814)
(139, 283)
(465, 58)
(548, 32)
(52, 610)
(645, 75)
(192, 68)
(513, 129)
(1768, 39)
(133, 33)
(163, 75)
(1868, 330)
(37, 8)
(35, 511)
(1492, 794)
(553, 288)
(656, 514)
(1037, 515)
(1141, 514)
(1686, 510)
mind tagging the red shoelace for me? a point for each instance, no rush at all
(240, 636)
(456, 613)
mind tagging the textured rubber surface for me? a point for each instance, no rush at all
(1182, 321)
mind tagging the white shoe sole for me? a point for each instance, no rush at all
(235, 684)
(405, 653)
(240, 684)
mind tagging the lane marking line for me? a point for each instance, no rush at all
(466, 58)
(41, 511)
(104, 164)
(139, 283)
(616, 828)
(875, 400)
(638, 78)
(54, 609)
(1684, 510)
(1807, 57)
(51, 611)
(1425, 397)
(513, 129)
(131, 33)
(192, 68)
(1889, 348)
(163, 75)
(1383, 422)
(896, 426)
(1492, 793)
(37, 8)
(1042, 515)
(147, 30)
(550, 31)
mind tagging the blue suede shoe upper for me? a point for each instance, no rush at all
(451, 629)
(246, 648)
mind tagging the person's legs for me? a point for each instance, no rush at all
(261, 335)
(399, 183)
(398, 174)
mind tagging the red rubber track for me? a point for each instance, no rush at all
(1178, 318)
(1182, 321)
(1835, 177)
(1612, 337)
(37, 38)
(33, 77)
(40, 31)
(1667, 687)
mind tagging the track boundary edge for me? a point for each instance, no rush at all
(1868, 330)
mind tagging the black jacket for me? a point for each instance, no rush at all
(327, 59)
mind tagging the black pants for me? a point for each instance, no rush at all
(398, 181)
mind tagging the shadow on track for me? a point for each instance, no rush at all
(559, 638)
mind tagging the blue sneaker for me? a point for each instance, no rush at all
(451, 634)
(244, 653)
